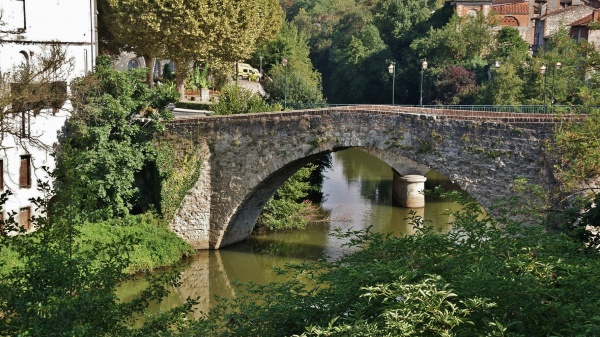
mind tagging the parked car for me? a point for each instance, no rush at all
(247, 72)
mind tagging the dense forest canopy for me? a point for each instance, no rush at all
(353, 41)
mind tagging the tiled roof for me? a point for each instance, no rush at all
(504, 2)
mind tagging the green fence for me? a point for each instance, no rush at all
(539, 109)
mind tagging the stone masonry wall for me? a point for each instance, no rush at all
(252, 155)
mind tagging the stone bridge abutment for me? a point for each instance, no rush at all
(248, 157)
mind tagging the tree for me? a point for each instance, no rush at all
(298, 81)
(186, 31)
(455, 85)
(104, 147)
(359, 59)
(396, 20)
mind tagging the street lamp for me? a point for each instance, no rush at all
(543, 72)
(392, 71)
(423, 68)
(284, 63)
(260, 69)
(556, 67)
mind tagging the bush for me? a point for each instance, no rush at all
(157, 245)
(237, 100)
(480, 279)
(287, 208)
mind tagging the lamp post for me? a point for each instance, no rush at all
(392, 71)
(556, 67)
(284, 64)
(260, 69)
(423, 68)
(543, 72)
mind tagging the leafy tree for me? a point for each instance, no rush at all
(397, 18)
(185, 31)
(505, 87)
(455, 85)
(461, 40)
(104, 147)
(298, 81)
(359, 58)
(509, 44)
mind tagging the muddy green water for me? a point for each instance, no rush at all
(358, 194)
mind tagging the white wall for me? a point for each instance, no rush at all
(29, 30)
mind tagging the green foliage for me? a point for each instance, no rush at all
(197, 79)
(299, 82)
(156, 245)
(455, 85)
(104, 147)
(168, 75)
(287, 208)
(479, 279)
(509, 43)
(461, 40)
(66, 283)
(179, 162)
(237, 100)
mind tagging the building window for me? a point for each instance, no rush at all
(25, 172)
(172, 66)
(25, 218)
(156, 70)
(133, 64)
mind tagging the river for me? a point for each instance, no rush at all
(357, 194)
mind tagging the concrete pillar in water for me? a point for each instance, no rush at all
(408, 190)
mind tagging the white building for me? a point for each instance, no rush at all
(28, 27)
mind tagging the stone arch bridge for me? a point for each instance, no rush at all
(246, 158)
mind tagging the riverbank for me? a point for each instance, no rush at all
(155, 245)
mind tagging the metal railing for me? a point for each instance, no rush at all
(537, 109)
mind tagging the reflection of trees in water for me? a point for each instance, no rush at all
(373, 174)
(317, 177)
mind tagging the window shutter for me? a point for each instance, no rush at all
(25, 218)
(25, 172)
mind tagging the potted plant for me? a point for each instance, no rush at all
(198, 83)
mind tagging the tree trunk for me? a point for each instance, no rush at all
(149, 69)
(180, 72)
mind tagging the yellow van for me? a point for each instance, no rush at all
(247, 72)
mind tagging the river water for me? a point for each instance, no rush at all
(357, 194)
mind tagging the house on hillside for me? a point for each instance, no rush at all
(557, 13)
(587, 28)
(535, 19)
(511, 13)
(28, 28)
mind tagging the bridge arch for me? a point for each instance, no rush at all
(249, 156)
